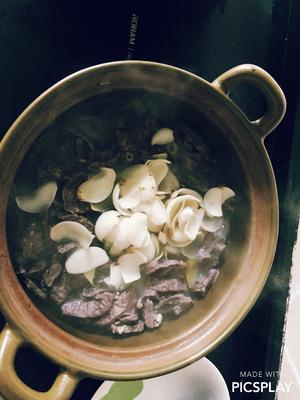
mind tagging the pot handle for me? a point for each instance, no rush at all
(11, 386)
(248, 73)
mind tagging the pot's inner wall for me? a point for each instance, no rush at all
(115, 130)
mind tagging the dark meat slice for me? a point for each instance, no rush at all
(100, 274)
(125, 302)
(150, 293)
(51, 274)
(35, 268)
(152, 318)
(69, 193)
(65, 284)
(211, 249)
(163, 266)
(48, 170)
(63, 248)
(204, 283)
(32, 240)
(88, 309)
(127, 329)
(174, 305)
(94, 292)
(129, 316)
(167, 285)
(35, 288)
(91, 291)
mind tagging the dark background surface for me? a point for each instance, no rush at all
(43, 41)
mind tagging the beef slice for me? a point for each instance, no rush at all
(175, 304)
(88, 309)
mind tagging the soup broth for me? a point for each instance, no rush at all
(119, 216)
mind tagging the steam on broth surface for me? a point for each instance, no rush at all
(119, 215)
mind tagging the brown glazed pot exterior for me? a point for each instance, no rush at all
(242, 278)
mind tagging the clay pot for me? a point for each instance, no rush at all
(250, 252)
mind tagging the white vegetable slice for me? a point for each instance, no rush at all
(162, 156)
(115, 251)
(179, 236)
(137, 229)
(159, 169)
(115, 198)
(163, 136)
(105, 223)
(184, 217)
(184, 191)
(115, 279)
(102, 206)
(211, 224)
(122, 238)
(157, 215)
(170, 183)
(84, 260)
(138, 177)
(172, 250)
(214, 199)
(192, 226)
(90, 275)
(130, 266)
(39, 200)
(151, 250)
(162, 237)
(71, 231)
(213, 202)
(130, 200)
(148, 188)
(227, 193)
(98, 187)
(146, 240)
(175, 206)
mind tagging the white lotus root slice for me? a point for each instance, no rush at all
(170, 183)
(39, 200)
(85, 260)
(115, 279)
(105, 223)
(71, 231)
(211, 224)
(214, 198)
(159, 169)
(137, 184)
(98, 187)
(130, 266)
(163, 136)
